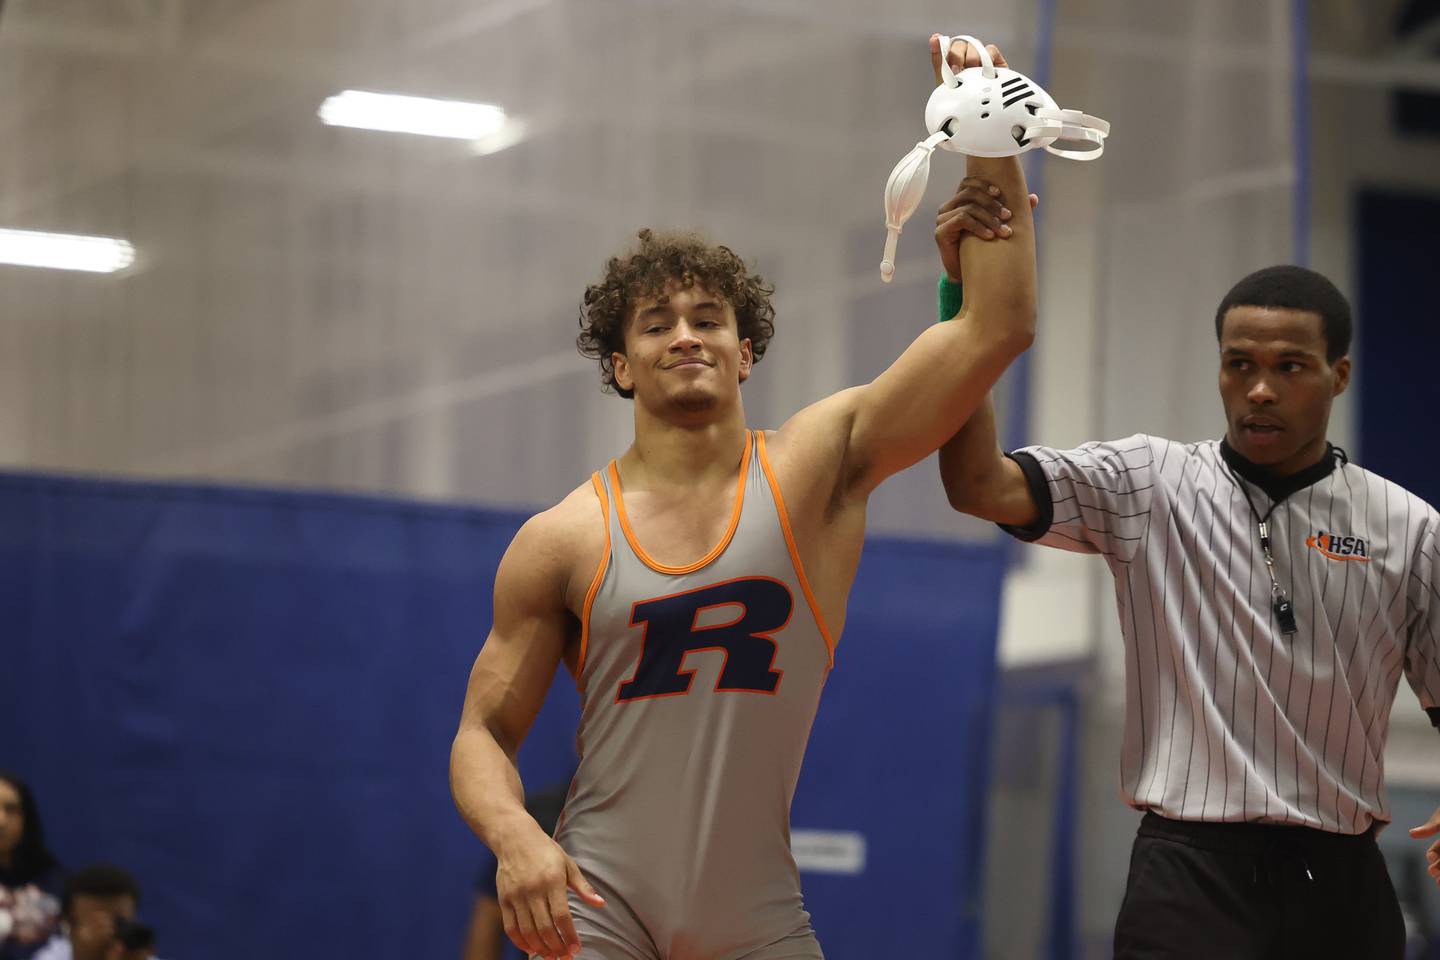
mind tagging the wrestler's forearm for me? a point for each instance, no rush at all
(926, 396)
(486, 787)
(1000, 278)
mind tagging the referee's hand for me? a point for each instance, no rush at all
(978, 207)
(1428, 829)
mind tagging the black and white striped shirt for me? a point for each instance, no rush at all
(1226, 717)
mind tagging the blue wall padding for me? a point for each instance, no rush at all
(900, 752)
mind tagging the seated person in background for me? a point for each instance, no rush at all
(31, 880)
(99, 909)
(485, 938)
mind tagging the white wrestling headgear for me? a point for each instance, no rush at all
(984, 111)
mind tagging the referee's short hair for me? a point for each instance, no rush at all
(1294, 288)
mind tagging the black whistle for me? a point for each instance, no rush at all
(1285, 614)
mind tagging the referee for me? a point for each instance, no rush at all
(1271, 594)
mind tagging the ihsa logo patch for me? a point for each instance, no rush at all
(1338, 547)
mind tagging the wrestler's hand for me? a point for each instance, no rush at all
(1428, 829)
(961, 57)
(978, 207)
(530, 882)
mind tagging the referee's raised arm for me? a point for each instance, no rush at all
(980, 480)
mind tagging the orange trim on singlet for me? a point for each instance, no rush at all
(599, 575)
(794, 551)
(634, 541)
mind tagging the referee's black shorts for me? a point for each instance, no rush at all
(1246, 891)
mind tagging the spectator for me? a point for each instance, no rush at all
(31, 880)
(99, 910)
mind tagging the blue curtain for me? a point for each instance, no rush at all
(900, 753)
(1397, 338)
(247, 698)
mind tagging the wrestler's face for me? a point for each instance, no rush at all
(683, 351)
(1277, 385)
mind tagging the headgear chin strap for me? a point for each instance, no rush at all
(984, 111)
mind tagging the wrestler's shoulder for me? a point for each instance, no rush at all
(574, 524)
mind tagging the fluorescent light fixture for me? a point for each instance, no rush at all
(396, 113)
(507, 136)
(64, 251)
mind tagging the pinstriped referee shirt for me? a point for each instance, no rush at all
(1226, 717)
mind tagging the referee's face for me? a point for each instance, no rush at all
(1277, 385)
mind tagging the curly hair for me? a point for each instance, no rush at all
(660, 258)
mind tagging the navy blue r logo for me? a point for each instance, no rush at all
(672, 631)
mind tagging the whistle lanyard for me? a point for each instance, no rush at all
(1279, 602)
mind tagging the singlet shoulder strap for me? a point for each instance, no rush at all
(602, 494)
(789, 533)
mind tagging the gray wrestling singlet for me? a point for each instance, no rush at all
(698, 688)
